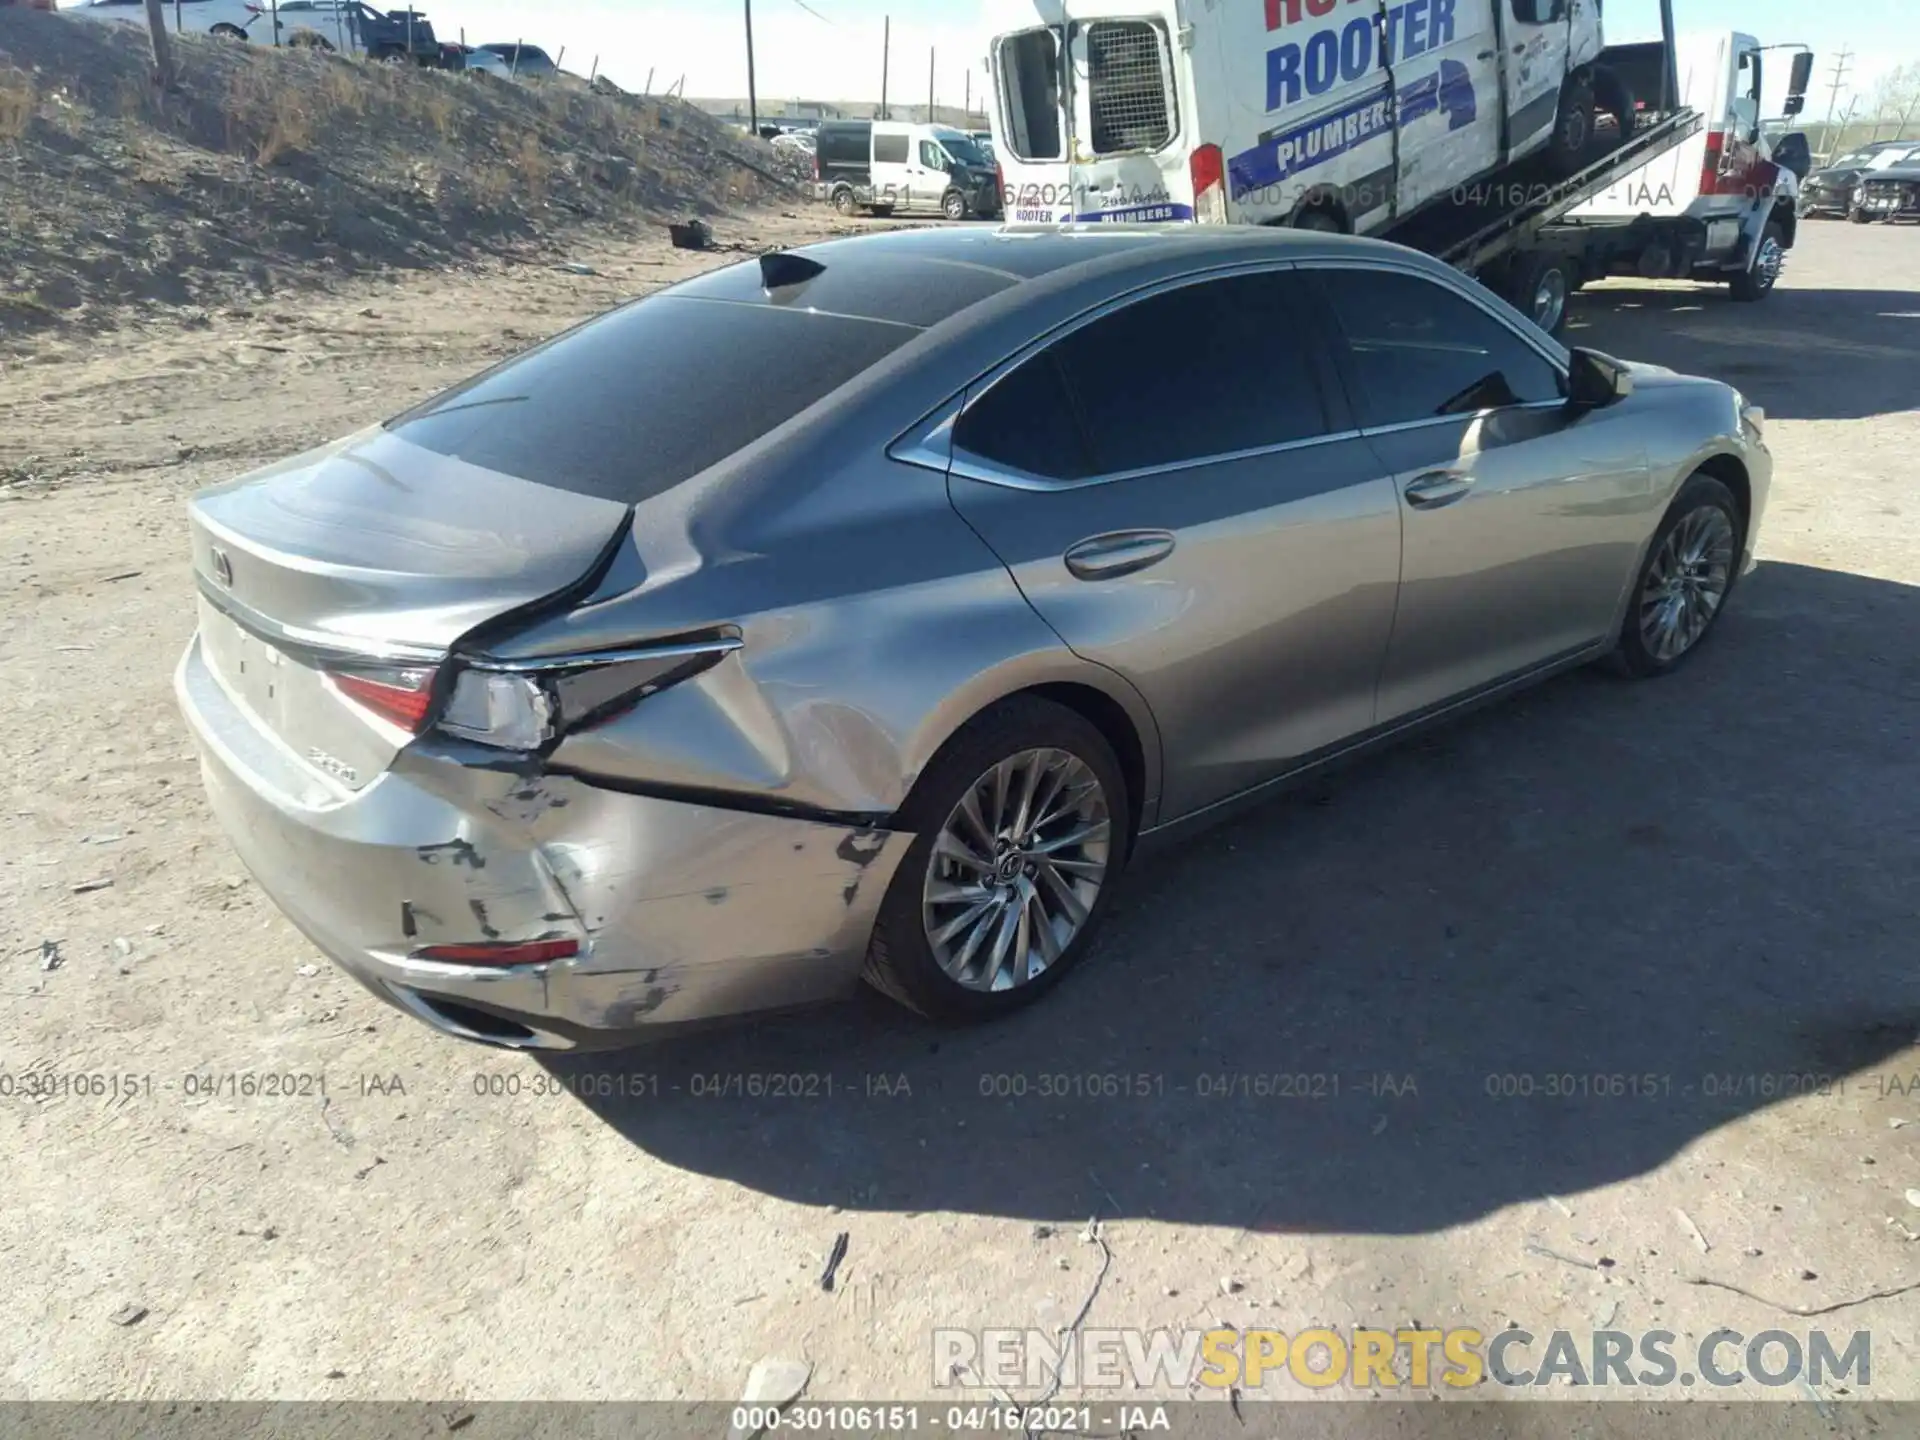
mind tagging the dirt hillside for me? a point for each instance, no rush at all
(276, 169)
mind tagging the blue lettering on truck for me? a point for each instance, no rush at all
(1344, 54)
(1283, 154)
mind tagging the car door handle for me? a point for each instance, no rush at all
(1437, 488)
(1486, 54)
(1120, 552)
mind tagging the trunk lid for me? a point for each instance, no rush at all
(370, 551)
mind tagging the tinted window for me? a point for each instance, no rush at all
(1026, 421)
(1418, 350)
(638, 400)
(1201, 370)
(890, 149)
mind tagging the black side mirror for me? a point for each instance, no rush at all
(1795, 104)
(1797, 83)
(1791, 152)
(1595, 381)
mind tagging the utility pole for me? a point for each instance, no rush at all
(886, 52)
(163, 71)
(967, 90)
(930, 54)
(1840, 63)
(753, 103)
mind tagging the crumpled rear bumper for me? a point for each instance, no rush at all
(684, 912)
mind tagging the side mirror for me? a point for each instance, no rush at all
(1595, 381)
(1798, 81)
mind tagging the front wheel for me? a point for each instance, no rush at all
(953, 205)
(1022, 827)
(1769, 258)
(1683, 585)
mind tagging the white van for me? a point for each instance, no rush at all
(889, 165)
(1331, 114)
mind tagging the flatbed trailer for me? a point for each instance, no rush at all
(1506, 231)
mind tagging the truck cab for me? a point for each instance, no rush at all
(1332, 114)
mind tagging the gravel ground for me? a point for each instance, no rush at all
(1706, 883)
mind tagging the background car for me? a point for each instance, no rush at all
(862, 609)
(1829, 190)
(232, 19)
(521, 62)
(1888, 189)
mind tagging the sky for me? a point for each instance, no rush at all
(834, 52)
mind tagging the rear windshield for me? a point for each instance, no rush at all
(638, 400)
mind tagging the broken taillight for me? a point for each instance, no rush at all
(511, 952)
(1208, 170)
(400, 695)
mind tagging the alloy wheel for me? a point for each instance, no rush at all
(1769, 262)
(1686, 583)
(1550, 298)
(1016, 869)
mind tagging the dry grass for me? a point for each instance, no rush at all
(267, 120)
(532, 165)
(19, 101)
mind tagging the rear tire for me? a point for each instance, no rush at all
(1616, 118)
(844, 203)
(1672, 588)
(1318, 219)
(901, 958)
(1572, 147)
(1540, 287)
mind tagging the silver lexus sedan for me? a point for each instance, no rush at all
(864, 609)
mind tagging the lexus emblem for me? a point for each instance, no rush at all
(222, 567)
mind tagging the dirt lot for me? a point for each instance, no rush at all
(1708, 883)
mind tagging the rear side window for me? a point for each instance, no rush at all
(1201, 370)
(889, 149)
(1419, 351)
(1026, 422)
(638, 400)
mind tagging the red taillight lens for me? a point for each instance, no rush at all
(1208, 170)
(400, 696)
(523, 952)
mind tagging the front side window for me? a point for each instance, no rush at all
(1204, 369)
(1029, 65)
(1127, 87)
(1418, 351)
(932, 156)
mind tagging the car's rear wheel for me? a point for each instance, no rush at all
(1683, 585)
(844, 202)
(1022, 825)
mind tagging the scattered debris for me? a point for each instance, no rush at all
(574, 267)
(129, 1314)
(1602, 1319)
(1062, 1263)
(336, 1374)
(1557, 1203)
(1752, 1252)
(1534, 1247)
(1913, 1198)
(367, 1170)
(457, 1419)
(50, 955)
(1805, 1311)
(772, 1384)
(1091, 1235)
(1233, 1399)
(1044, 1232)
(1897, 1123)
(326, 1118)
(1692, 1229)
(1808, 1275)
(307, 971)
(834, 1257)
(1230, 1286)
(87, 887)
(123, 575)
(690, 234)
